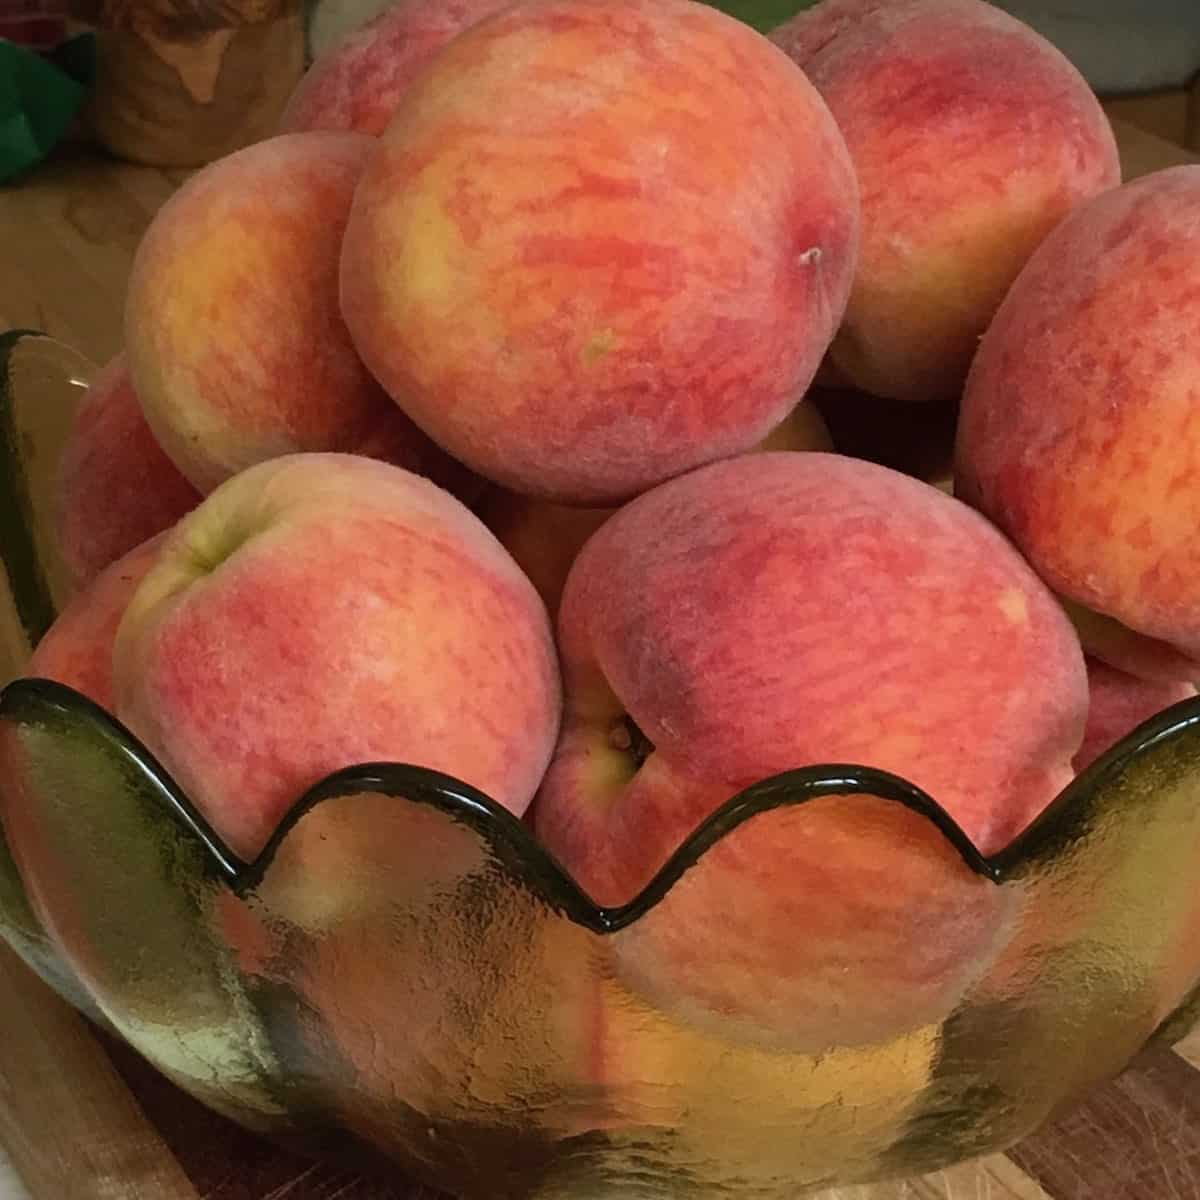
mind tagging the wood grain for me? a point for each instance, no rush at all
(68, 1113)
(1137, 1139)
(72, 1128)
(69, 232)
(994, 1178)
(224, 1162)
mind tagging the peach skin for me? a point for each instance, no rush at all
(356, 84)
(78, 648)
(236, 348)
(1080, 426)
(321, 611)
(1118, 703)
(973, 137)
(616, 263)
(115, 486)
(546, 538)
(782, 610)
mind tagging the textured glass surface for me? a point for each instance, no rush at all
(41, 382)
(405, 970)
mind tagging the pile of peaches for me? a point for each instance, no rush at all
(471, 422)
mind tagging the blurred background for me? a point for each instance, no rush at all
(180, 82)
(1142, 56)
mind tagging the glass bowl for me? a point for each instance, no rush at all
(405, 976)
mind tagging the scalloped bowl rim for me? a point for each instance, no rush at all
(27, 700)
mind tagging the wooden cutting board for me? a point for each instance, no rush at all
(84, 1119)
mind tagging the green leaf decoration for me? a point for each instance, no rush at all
(763, 15)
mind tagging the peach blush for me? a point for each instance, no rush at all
(1118, 703)
(356, 84)
(115, 487)
(321, 611)
(236, 346)
(545, 538)
(1080, 422)
(621, 261)
(781, 610)
(78, 648)
(972, 137)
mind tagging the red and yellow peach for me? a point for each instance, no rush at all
(782, 610)
(115, 486)
(236, 347)
(545, 538)
(617, 262)
(1080, 426)
(357, 83)
(78, 648)
(973, 137)
(1118, 703)
(320, 611)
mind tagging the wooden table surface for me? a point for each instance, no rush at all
(82, 1120)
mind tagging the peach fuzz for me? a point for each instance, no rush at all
(78, 648)
(782, 610)
(115, 487)
(545, 538)
(396, 440)
(1080, 422)
(973, 137)
(320, 611)
(621, 261)
(356, 84)
(237, 350)
(1118, 703)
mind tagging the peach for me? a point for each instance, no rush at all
(115, 486)
(973, 137)
(545, 538)
(1118, 703)
(1080, 426)
(237, 350)
(617, 262)
(319, 611)
(357, 83)
(78, 648)
(782, 610)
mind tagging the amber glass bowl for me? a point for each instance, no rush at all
(405, 974)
